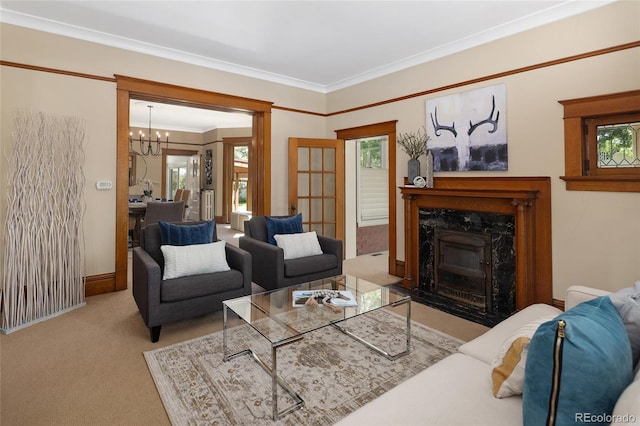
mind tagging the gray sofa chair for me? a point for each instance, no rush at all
(269, 268)
(164, 301)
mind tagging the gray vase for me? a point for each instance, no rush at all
(413, 170)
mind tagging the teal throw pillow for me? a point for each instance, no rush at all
(577, 366)
(185, 235)
(280, 226)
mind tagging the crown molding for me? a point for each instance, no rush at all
(561, 11)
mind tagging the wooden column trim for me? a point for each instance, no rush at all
(524, 288)
(410, 279)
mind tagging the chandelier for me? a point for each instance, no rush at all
(146, 145)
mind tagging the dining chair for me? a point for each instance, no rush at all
(178, 196)
(162, 211)
(186, 195)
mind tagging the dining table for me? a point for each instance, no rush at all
(137, 210)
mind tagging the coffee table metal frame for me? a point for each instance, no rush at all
(298, 334)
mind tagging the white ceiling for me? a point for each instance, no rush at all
(184, 119)
(315, 45)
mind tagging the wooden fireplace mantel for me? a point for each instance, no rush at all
(526, 198)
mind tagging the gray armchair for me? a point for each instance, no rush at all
(164, 301)
(269, 268)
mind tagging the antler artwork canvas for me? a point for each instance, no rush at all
(468, 130)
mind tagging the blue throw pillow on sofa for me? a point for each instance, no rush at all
(280, 226)
(577, 369)
(185, 235)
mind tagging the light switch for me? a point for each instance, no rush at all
(104, 184)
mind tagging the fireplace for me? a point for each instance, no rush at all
(467, 263)
(462, 267)
(479, 248)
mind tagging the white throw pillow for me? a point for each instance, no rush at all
(298, 245)
(507, 375)
(182, 261)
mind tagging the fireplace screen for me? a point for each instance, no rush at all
(463, 267)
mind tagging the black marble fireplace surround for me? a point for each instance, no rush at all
(501, 229)
(518, 207)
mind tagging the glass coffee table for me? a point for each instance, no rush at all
(282, 317)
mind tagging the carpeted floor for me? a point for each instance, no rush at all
(333, 373)
(86, 367)
(225, 232)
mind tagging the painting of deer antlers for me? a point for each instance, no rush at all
(468, 130)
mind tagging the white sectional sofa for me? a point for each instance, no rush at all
(458, 389)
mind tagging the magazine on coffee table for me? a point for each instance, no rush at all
(343, 298)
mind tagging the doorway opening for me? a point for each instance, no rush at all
(131, 88)
(237, 195)
(240, 181)
(388, 130)
(176, 174)
(372, 197)
(181, 175)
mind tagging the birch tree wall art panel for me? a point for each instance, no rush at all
(43, 263)
(469, 130)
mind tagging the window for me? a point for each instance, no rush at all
(612, 145)
(602, 147)
(240, 177)
(177, 175)
(373, 152)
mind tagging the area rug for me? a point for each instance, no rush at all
(332, 372)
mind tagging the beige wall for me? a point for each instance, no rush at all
(596, 236)
(66, 96)
(95, 101)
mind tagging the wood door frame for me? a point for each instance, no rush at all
(128, 88)
(227, 171)
(387, 128)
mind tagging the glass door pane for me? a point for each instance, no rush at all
(314, 192)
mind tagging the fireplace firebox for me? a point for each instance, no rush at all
(462, 269)
(467, 263)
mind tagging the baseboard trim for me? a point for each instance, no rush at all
(100, 284)
(399, 268)
(558, 304)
